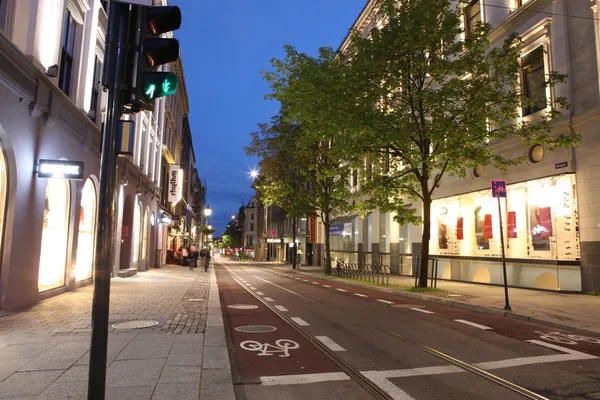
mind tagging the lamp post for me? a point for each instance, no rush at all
(207, 213)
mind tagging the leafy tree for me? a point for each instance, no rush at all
(426, 104)
(225, 242)
(283, 172)
(309, 90)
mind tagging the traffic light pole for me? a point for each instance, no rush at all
(113, 79)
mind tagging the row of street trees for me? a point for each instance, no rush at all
(407, 103)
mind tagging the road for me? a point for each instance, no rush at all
(330, 340)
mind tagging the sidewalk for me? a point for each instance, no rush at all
(579, 312)
(44, 351)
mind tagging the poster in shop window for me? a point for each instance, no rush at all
(487, 227)
(540, 221)
(442, 234)
(482, 242)
(511, 225)
(459, 229)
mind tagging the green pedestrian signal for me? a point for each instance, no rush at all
(152, 52)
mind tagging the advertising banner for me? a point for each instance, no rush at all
(313, 229)
(175, 183)
(459, 229)
(487, 227)
(511, 225)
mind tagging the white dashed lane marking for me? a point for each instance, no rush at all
(421, 310)
(333, 346)
(463, 321)
(341, 290)
(327, 286)
(300, 321)
(315, 283)
(385, 301)
(269, 299)
(260, 293)
(281, 308)
(360, 295)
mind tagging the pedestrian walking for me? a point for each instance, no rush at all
(208, 255)
(202, 257)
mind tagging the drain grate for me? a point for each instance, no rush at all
(242, 306)
(406, 306)
(255, 328)
(135, 324)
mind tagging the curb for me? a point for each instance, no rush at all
(458, 304)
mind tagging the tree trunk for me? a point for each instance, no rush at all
(294, 251)
(327, 264)
(425, 240)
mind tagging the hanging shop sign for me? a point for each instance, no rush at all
(175, 183)
(560, 165)
(60, 169)
(313, 229)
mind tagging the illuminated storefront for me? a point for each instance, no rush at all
(145, 236)
(135, 257)
(541, 227)
(54, 235)
(87, 229)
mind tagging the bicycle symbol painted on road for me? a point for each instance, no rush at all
(282, 346)
(562, 338)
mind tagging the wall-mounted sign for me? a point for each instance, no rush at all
(175, 183)
(313, 229)
(60, 169)
(273, 240)
(560, 165)
(341, 229)
(125, 138)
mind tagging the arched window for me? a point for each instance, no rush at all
(137, 219)
(145, 235)
(53, 254)
(87, 230)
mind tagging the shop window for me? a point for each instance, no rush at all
(137, 219)
(536, 153)
(533, 79)
(53, 252)
(67, 53)
(145, 236)
(472, 16)
(87, 230)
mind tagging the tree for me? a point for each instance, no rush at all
(283, 172)
(309, 90)
(225, 241)
(427, 104)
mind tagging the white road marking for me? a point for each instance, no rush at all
(333, 346)
(385, 301)
(341, 290)
(305, 378)
(315, 283)
(360, 295)
(252, 287)
(297, 279)
(421, 310)
(281, 308)
(269, 299)
(300, 321)
(304, 280)
(394, 391)
(327, 286)
(464, 321)
(260, 293)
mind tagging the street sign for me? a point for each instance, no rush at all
(498, 189)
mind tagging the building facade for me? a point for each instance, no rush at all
(52, 108)
(551, 217)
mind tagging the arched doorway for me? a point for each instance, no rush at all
(137, 219)
(53, 254)
(87, 230)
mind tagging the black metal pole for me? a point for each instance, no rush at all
(113, 77)
(506, 303)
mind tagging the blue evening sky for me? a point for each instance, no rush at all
(224, 46)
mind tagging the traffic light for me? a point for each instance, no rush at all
(150, 51)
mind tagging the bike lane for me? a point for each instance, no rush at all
(283, 351)
(513, 328)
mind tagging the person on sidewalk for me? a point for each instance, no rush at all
(184, 256)
(208, 251)
(202, 257)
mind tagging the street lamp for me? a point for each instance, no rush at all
(254, 173)
(207, 211)
(233, 217)
(209, 227)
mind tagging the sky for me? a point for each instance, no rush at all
(224, 46)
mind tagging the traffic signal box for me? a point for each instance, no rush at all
(147, 53)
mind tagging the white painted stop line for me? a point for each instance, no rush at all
(464, 321)
(333, 346)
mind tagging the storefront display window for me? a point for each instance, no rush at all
(87, 228)
(137, 219)
(539, 218)
(145, 235)
(53, 252)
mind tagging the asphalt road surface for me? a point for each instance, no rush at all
(295, 336)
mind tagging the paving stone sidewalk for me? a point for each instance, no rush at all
(579, 312)
(44, 351)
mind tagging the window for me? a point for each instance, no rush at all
(251, 215)
(354, 178)
(66, 55)
(95, 87)
(472, 16)
(534, 81)
(251, 227)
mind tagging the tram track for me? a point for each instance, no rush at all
(354, 373)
